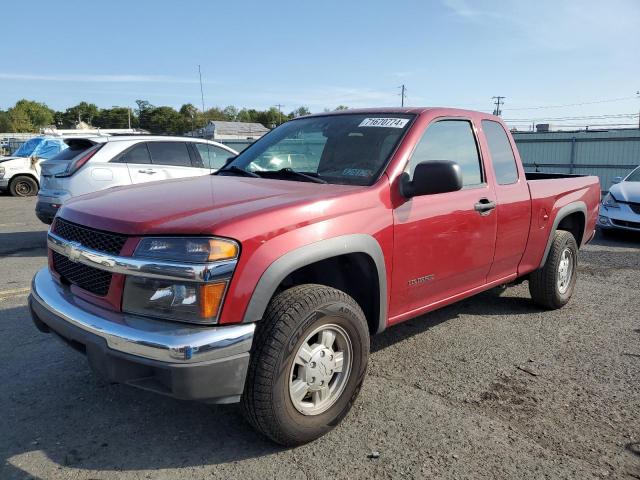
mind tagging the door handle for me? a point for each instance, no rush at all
(484, 206)
(148, 171)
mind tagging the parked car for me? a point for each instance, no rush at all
(96, 163)
(262, 284)
(620, 209)
(20, 171)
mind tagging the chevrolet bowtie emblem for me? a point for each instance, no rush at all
(72, 251)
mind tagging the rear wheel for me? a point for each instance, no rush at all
(23, 186)
(308, 363)
(552, 285)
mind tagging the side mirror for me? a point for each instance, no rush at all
(436, 176)
(617, 179)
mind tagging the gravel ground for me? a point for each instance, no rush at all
(491, 387)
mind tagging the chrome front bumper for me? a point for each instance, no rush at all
(156, 350)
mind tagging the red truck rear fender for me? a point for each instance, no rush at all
(572, 218)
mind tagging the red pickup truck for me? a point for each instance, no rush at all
(262, 284)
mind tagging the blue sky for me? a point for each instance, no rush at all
(321, 54)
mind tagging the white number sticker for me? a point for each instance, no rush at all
(384, 122)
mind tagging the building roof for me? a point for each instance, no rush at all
(238, 128)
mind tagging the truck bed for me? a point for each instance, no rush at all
(550, 193)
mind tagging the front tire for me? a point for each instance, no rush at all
(553, 285)
(23, 186)
(308, 363)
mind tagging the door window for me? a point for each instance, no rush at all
(170, 153)
(502, 158)
(450, 140)
(212, 156)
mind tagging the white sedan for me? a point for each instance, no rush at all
(620, 209)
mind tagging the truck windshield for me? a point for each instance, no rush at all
(348, 149)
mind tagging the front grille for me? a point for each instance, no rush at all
(635, 207)
(88, 278)
(624, 223)
(94, 239)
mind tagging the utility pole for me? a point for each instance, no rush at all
(201, 91)
(403, 94)
(129, 112)
(498, 101)
(638, 95)
(279, 105)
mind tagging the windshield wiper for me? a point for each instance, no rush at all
(238, 171)
(291, 172)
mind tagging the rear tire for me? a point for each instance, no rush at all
(297, 388)
(553, 285)
(23, 186)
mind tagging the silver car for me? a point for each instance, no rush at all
(620, 207)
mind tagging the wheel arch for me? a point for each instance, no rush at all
(572, 218)
(364, 256)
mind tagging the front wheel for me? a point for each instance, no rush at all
(553, 285)
(307, 366)
(23, 186)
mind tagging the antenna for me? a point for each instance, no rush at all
(498, 101)
(201, 91)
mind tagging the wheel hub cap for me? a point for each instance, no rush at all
(320, 370)
(565, 270)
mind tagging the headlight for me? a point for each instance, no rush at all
(191, 250)
(1, 172)
(193, 302)
(610, 202)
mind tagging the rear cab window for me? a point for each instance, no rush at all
(452, 140)
(502, 157)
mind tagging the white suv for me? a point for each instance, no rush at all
(95, 163)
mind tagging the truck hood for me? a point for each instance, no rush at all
(6, 159)
(199, 205)
(626, 191)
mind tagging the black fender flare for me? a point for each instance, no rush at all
(564, 212)
(314, 252)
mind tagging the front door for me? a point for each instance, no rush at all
(443, 245)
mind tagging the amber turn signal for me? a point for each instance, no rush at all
(221, 249)
(210, 299)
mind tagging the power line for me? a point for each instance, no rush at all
(201, 91)
(497, 110)
(541, 107)
(586, 117)
(403, 94)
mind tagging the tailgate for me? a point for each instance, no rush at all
(59, 164)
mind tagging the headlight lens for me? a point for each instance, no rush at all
(610, 202)
(193, 302)
(185, 302)
(192, 250)
(1, 172)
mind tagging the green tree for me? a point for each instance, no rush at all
(115, 117)
(143, 112)
(342, 107)
(165, 120)
(230, 113)
(28, 116)
(300, 112)
(5, 121)
(82, 112)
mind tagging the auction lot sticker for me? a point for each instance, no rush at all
(384, 122)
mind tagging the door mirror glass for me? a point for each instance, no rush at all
(435, 176)
(617, 179)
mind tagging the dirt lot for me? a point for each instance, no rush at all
(492, 387)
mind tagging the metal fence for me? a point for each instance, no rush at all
(606, 154)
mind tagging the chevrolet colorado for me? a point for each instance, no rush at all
(262, 283)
